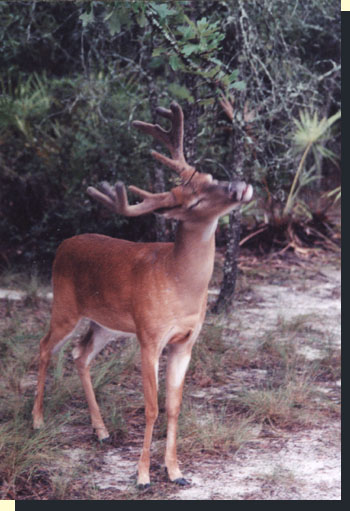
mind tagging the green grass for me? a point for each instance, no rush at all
(212, 429)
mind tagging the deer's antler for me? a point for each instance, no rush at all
(115, 199)
(172, 139)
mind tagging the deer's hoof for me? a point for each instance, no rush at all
(104, 441)
(102, 437)
(38, 423)
(143, 486)
(181, 481)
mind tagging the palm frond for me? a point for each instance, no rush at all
(310, 129)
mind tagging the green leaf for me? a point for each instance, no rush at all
(206, 102)
(138, 6)
(202, 23)
(158, 51)
(188, 32)
(212, 72)
(331, 120)
(86, 18)
(241, 85)
(156, 62)
(214, 60)
(162, 10)
(174, 62)
(114, 23)
(181, 92)
(141, 20)
(188, 49)
(234, 75)
(224, 220)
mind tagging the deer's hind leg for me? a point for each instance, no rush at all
(90, 345)
(57, 336)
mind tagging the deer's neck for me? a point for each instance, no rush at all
(193, 254)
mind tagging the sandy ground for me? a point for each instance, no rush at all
(299, 466)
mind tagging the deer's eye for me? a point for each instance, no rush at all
(196, 203)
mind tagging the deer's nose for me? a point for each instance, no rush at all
(240, 191)
(236, 189)
(247, 193)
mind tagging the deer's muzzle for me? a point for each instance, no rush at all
(240, 191)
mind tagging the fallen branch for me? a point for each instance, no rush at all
(252, 235)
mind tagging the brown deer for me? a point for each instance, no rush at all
(157, 291)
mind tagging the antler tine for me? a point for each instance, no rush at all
(172, 139)
(108, 198)
(116, 200)
(176, 133)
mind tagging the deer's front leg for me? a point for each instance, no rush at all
(149, 365)
(178, 360)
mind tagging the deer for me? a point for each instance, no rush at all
(156, 290)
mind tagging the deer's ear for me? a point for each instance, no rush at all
(173, 210)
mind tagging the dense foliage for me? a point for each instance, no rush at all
(74, 75)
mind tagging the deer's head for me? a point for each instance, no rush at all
(198, 198)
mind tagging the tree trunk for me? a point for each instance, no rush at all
(230, 265)
(228, 284)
